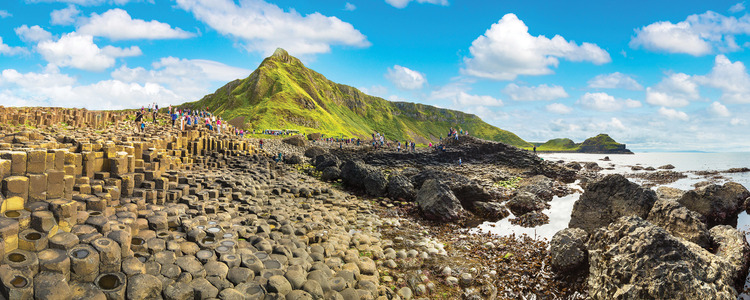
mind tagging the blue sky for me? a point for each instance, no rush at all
(657, 75)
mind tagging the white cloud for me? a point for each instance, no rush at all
(507, 50)
(699, 34)
(719, 109)
(559, 108)
(615, 80)
(404, 3)
(672, 114)
(606, 102)
(737, 7)
(263, 27)
(8, 50)
(116, 24)
(5, 14)
(405, 78)
(729, 77)
(54, 89)
(541, 92)
(79, 51)
(87, 2)
(349, 7)
(33, 34)
(190, 78)
(676, 90)
(375, 90)
(458, 94)
(65, 16)
(738, 122)
(465, 99)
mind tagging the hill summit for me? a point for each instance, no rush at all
(601, 143)
(284, 94)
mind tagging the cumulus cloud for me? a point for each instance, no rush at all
(79, 51)
(375, 90)
(729, 77)
(606, 102)
(672, 114)
(719, 109)
(507, 50)
(263, 27)
(33, 34)
(615, 80)
(116, 24)
(65, 16)
(54, 89)
(404, 3)
(698, 35)
(405, 78)
(559, 108)
(349, 7)
(87, 2)
(8, 50)
(737, 7)
(457, 94)
(5, 14)
(738, 122)
(541, 92)
(191, 77)
(676, 90)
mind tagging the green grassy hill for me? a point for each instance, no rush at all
(283, 94)
(601, 143)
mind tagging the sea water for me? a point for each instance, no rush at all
(689, 163)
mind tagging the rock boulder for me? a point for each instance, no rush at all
(634, 259)
(438, 202)
(568, 253)
(297, 140)
(604, 201)
(679, 221)
(719, 205)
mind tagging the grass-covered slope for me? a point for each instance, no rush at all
(283, 94)
(601, 143)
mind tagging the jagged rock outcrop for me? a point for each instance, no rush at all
(543, 187)
(718, 204)
(635, 259)
(568, 253)
(400, 188)
(605, 201)
(730, 244)
(438, 202)
(356, 173)
(525, 202)
(297, 140)
(679, 221)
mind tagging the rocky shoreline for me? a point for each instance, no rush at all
(98, 211)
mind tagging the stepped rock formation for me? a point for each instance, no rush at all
(283, 94)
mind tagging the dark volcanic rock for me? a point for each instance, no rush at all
(492, 211)
(605, 201)
(466, 190)
(634, 259)
(400, 188)
(330, 174)
(357, 174)
(438, 202)
(719, 205)
(314, 151)
(543, 187)
(297, 140)
(568, 253)
(293, 159)
(525, 202)
(679, 221)
(326, 160)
